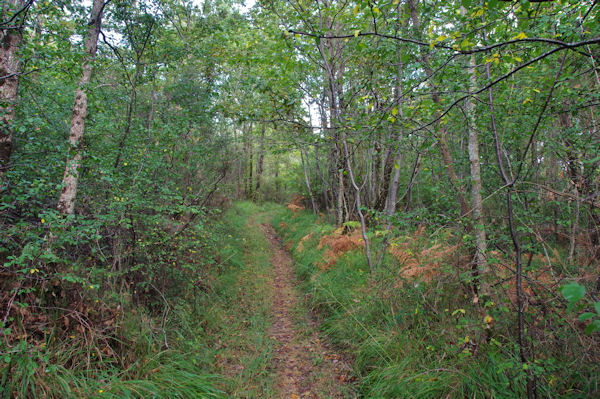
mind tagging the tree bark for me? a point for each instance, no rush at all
(250, 156)
(393, 189)
(260, 158)
(66, 201)
(307, 178)
(443, 133)
(10, 67)
(476, 200)
(324, 195)
(363, 226)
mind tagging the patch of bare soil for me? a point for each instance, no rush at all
(305, 365)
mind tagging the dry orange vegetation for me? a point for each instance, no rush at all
(300, 246)
(424, 264)
(338, 243)
(296, 204)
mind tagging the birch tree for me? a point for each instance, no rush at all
(66, 201)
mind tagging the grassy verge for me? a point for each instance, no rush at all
(206, 340)
(411, 338)
(235, 312)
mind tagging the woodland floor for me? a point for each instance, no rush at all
(305, 365)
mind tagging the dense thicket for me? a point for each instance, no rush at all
(479, 116)
(127, 126)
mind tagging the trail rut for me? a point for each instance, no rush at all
(305, 366)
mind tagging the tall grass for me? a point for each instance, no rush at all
(36, 373)
(412, 339)
(235, 313)
(183, 352)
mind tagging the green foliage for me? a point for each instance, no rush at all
(574, 293)
(90, 296)
(192, 107)
(392, 328)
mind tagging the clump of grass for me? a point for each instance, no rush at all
(418, 339)
(42, 372)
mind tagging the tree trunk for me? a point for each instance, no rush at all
(260, 158)
(133, 96)
(10, 67)
(388, 169)
(250, 155)
(477, 213)
(129, 117)
(329, 51)
(307, 178)
(574, 227)
(66, 201)
(443, 133)
(358, 204)
(319, 171)
(390, 206)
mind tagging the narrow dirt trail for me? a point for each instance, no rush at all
(305, 366)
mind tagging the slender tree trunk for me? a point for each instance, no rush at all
(443, 133)
(260, 158)
(10, 67)
(66, 201)
(525, 348)
(139, 52)
(129, 117)
(239, 158)
(383, 198)
(477, 213)
(307, 178)
(338, 163)
(276, 173)
(152, 108)
(357, 190)
(250, 182)
(329, 52)
(322, 178)
(574, 227)
(393, 190)
(339, 215)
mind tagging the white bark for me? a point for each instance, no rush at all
(66, 201)
(476, 199)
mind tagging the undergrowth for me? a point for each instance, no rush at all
(419, 337)
(87, 330)
(185, 320)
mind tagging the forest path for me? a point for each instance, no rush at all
(305, 366)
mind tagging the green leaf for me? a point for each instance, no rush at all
(592, 328)
(573, 292)
(466, 3)
(597, 307)
(492, 3)
(586, 316)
